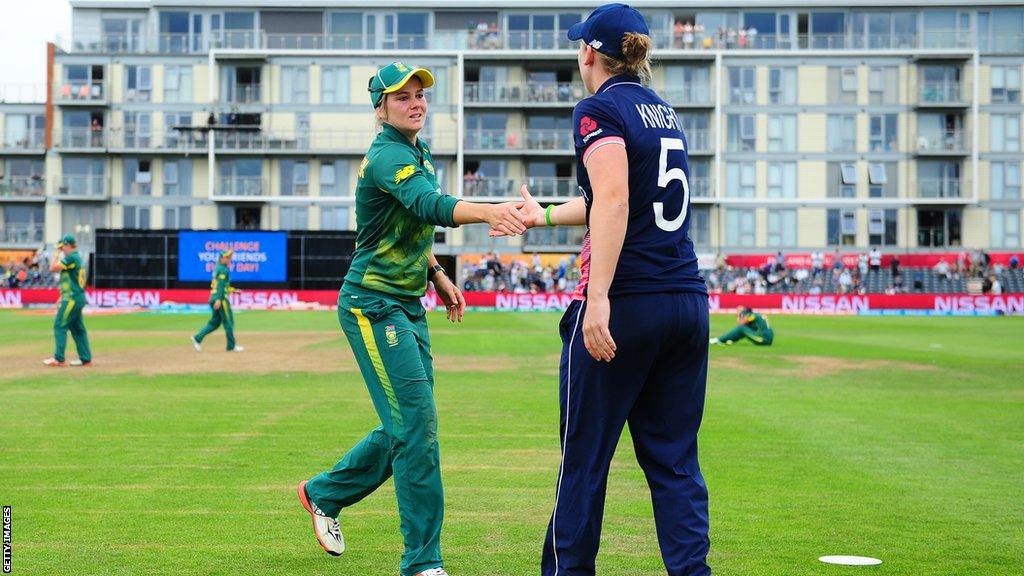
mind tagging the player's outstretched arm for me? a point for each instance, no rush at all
(572, 213)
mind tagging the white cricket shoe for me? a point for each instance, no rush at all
(237, 349)
(325, 528)
(713, 341)
(196, 344)
(433, 572)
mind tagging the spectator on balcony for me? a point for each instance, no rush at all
(677, 34)
(752, 37)
(875, 260)
(742, 38)
(688, 36)
(96, 130)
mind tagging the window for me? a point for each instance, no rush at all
(1005, 133)
(782, 179)
(1005, 84)
(828, 30)
(782, 85)
(294, 84)
(687, 84)
(841, 229)
(241, 177)
(178, 218)
(138, 83)
(842, 133)
(24, 130)
(883, 137)
(695, 127)
(178, 83)
(842, 85)
(740, 229)
(882, 180)
(1005, 178)
(742, 179)
(334, 178)
(938, 179)
(24, 177)
(782, 228)
(83, 176)
(334, 218)
(742, 86)
(883, 85)
(782, 133)
(294, 178)
(438, 94)
(882, 227)
(700, 225)
(742, 132)
(345, 30)
(938, 228)
(1005, 228)
(138, 177)
(842, 180)
(178, 177)
(136, 217)
(334, 87)
(138, 129)
(294, 218)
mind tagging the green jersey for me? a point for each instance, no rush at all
(398, 205)
(72, 277)
(758, 323)
(220, 286)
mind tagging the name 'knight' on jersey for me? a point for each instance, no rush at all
(657, 254)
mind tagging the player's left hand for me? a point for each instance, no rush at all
(597, 338)
(454, 301)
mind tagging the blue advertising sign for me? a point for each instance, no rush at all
(259, 256)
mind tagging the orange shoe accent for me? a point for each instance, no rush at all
(304, 500)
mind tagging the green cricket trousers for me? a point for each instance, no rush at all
(390, 342)
(69, 317)
(226, 317)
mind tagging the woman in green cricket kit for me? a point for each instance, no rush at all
(399, 203)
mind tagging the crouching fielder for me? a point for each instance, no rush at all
(634, 340)
(749, 325)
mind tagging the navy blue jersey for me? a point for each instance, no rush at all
(657, 253)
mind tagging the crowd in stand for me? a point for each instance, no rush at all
(521, 276)
(27, 273)
(689, 35)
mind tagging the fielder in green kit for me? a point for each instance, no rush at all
(72, 301)
(398, 205)
(749, 325)
(220, 305)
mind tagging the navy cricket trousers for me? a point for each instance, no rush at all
(656, 383)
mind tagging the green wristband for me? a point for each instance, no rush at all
(547, 214)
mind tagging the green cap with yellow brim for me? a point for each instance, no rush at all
(393, 77)
(67, 239)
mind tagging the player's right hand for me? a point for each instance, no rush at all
(531, 211)
(216, 305)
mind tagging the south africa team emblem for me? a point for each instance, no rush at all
(391, 335)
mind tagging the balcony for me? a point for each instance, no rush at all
(21, 234)
(23, 93)
(700, 187)
(136, 141)
(31, 142)
(242, 187)
(83, 187)
(27, 188)
(547, 141)
(528, 93)
(558, 239)
(245, 93)
(940, 96)
(508, 188)
(696, 96)
(80, 92)
(83, 138)
(943, 144)
(939, 188)
(699, 142)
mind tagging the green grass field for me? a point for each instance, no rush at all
(899, 438)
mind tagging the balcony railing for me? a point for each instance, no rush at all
(80, 91)
(496, 39)
(83, 138)
(21, 233)
(699, 140)
(946, 142)
(83, 186)
(560, 140)
(509, 187)
(697, 94)
(938, 188)
(700, 187)
(22, 187)
(242, 186)
(23, 93)
(31, 140)
(558, 237)
(939, 93)
(244, 94)
(529, 92)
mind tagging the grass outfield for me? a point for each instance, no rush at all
(899, 438)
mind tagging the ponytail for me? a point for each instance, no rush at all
(636, 57)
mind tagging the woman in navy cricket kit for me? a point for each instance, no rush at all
(635, 338)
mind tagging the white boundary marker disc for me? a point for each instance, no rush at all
(851, 560)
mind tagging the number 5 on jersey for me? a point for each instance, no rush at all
(665, 176)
